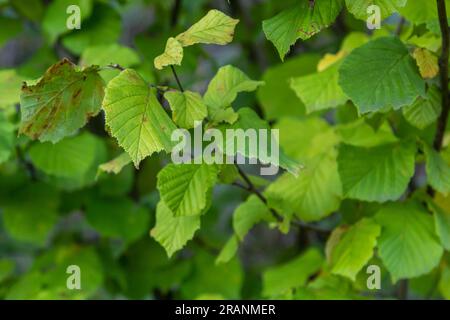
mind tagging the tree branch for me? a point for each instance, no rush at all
(443, 71)
(251, 188)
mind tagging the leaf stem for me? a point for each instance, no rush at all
(176, 78)
(443, 71)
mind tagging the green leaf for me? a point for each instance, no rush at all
(115, 165)
(187, 107)
(55, 19)
(248, 214)
(173, 232)
(408, 245)
(10, 83)
(301, 21)
(441, 218)
(355, 248)
(444, 283)
(379, 173)
(61, 102)
(361, 134)
(135, 117)
(321, 90)
(280, 279)
(228, 251)
(437, 169)
(387, 7)
(425, 110)
(214, 28)
(223, 90)
(7, 138)
(71, 157)
(381, 74)
(185, 187)
(103, 27)
(116, 217)
(30, 213)
(249, 121)
(317, 191)
(276, 97)
(419, 12)
(173, 55)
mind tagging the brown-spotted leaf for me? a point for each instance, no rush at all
(61, 102)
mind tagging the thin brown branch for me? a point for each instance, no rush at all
(251, 188)
(176, 78)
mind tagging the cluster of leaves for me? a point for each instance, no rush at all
(84, 150)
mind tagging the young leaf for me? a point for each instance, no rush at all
(437, 169)
(173, 55)
(355, 248)
(61, 102)
(185, 187)
(223, 90)
(425, 110)
(135, 117)
(359, 7)
(379, 173)
(187, 107)
(408, 245)
(379, 74)
(173, 232)
(214, 28)
(302, 21)
(320, 91)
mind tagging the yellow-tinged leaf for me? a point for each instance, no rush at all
(329, 59)
(214, 28)
(427, 63)
(173, 55)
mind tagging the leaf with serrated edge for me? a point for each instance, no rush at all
(408, 245)
(173, 232)
(214, 28)
(187, 107)
(185, 187)
(425, 110)
(379, 173)
(61, 102)
(380, 74)
(135, 117)
(355, 248)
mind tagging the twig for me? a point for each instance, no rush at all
(175, 13)
(176, 78)
(115, 66)
(443, 71)
(251, 188)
